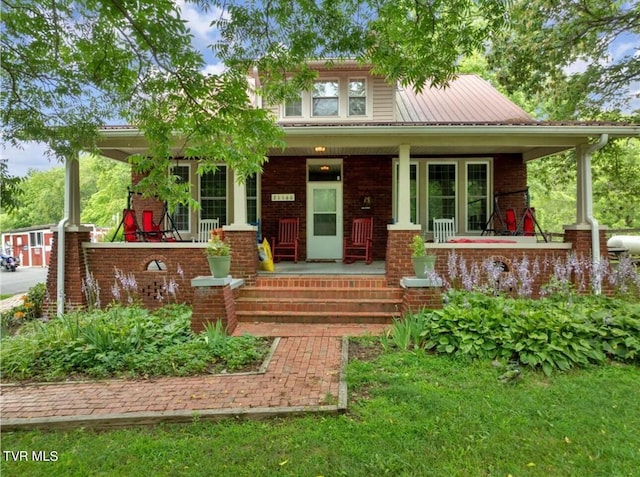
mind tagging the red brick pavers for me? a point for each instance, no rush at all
(303, 374)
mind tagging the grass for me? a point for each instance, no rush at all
(411, 414)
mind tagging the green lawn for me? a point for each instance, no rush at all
(410, 414)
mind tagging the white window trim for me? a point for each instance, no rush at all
(489, 163)
(258, 195)
(190, 211)
(436, 162)
(367, 97)
(394, 178)
(340, 98)
(226, 180)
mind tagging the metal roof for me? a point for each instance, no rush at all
(467, 99)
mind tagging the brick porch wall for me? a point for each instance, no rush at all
(244, 254)
(212, 304)
(398, 262)
(151, 284)
(74, 275)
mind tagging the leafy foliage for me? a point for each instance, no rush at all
(551, 333)
(563, 50)
(30, 309)
(9, 188)
(122, 342)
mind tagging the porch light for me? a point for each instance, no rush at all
(319, 148)
(325, 168)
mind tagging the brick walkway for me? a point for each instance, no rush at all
(304, 374)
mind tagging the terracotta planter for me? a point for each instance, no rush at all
(220, 266)
(423, 265)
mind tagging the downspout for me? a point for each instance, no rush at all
(61, 239)
(591, 220)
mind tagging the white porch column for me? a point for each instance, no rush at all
(404, 186)
(239, 201)
(239, 205)
(581, 190)
(72, 209)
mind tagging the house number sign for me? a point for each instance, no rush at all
(283, 197)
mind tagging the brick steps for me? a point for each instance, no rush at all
(319, 299)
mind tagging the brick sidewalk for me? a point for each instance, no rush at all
(303, 375)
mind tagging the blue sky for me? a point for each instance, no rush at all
(33, 155)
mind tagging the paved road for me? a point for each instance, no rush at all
(21, 280)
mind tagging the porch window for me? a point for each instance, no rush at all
(213, 195)
(252, 199)
(477, 195)
(441, 192)
(325, 98)
(357, 97)
(181, 213)
(413, 190)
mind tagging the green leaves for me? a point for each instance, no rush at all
(545, 333)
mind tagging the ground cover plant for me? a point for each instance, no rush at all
(29, 310)
(553, 333)
(124, 341)
(411, 413)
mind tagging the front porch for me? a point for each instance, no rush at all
(158, 273)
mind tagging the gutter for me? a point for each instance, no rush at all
(591, 220)
(61, 239)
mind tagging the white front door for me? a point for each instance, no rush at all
(324, 216)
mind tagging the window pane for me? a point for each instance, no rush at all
(325, 98)
(357, 106)
(477, 187)
(180, 215)
(442, 192)
(252, 199)
(324, 200)
(357, 88)
(325, 89)
(213, 195)
(293, 107)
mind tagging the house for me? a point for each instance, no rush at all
(358, 147)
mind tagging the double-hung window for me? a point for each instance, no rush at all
(477, 179)
(442, 183)
(213, 195)
(325, 98)
(293, 107)
(252, 199)
(357, 97)
(181, 214)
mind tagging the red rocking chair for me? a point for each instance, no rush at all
(286, 245)
(360, 244)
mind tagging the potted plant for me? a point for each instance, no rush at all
(218, 254)
(423, 261)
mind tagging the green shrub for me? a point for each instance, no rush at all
(30, 309)
(121, 341)
(550, 333)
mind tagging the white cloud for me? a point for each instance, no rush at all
(214, 69)
(32, 155)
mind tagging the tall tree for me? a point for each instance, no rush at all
(71, 65)
(581, 54)
(9, 188)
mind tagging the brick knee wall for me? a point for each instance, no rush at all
(398, 263)
(212, 304)
(244, 254)
(74, 274)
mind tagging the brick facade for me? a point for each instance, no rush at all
(74, 274)
(363, 176)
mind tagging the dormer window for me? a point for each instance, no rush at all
(325, 100)
(357, 97)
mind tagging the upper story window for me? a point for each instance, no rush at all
(357, 97)
(293, 107)
(325, 100)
